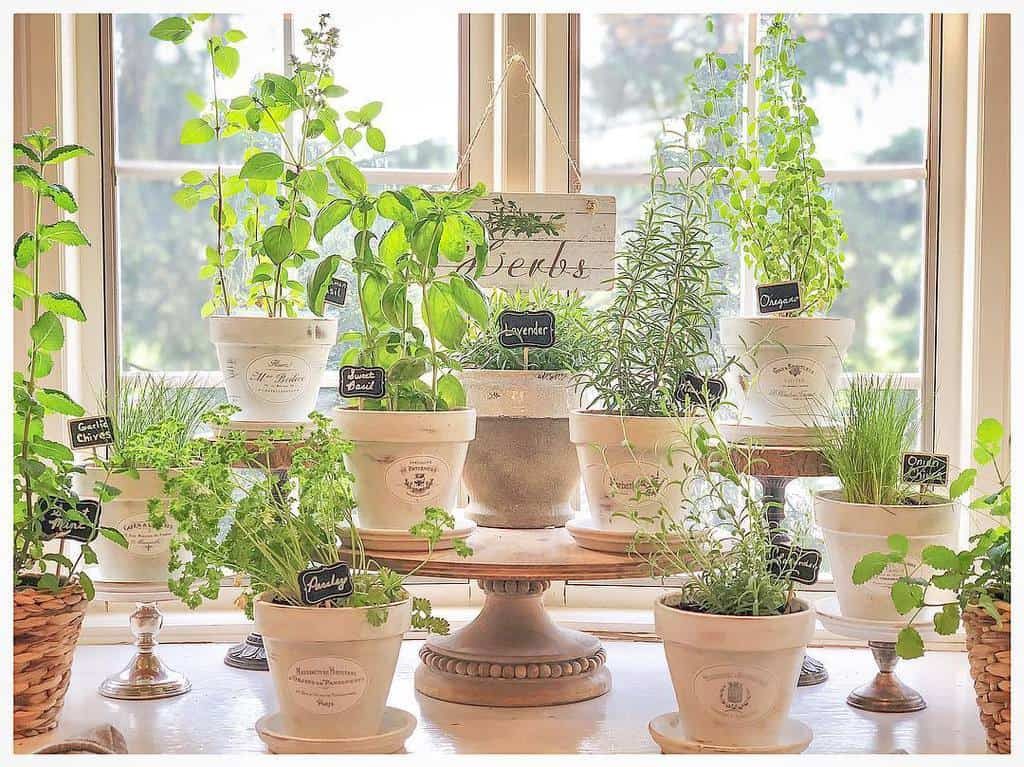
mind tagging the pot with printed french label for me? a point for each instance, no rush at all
(734, 676)
(272, 366)
(331, 667)
(788, 368)
(852, 530)
(405, 461)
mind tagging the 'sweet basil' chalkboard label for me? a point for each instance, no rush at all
(795, 563)
(337, 292)
(368, 383)
(319, 584)
(700, 391)
(535, 330)
(94, 431)
(778, 297)
(58, 521)
(925, 468)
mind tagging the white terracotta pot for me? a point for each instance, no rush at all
(145, 559)
(791, 366)
(272, 366)
(331, 669)
(405, 461)
(631, 463)
(852, 530)
(521, 469)
(734, 676)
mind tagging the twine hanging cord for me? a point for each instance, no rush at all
(516, 58)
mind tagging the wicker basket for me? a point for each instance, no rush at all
(988, 649)
(46, 627)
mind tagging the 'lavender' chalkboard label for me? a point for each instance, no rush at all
(535, 330)
(778, 297)
(319, 584)
(368, 383)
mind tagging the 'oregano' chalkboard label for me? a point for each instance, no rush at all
(94, 431)
(318, 584)
(798, 564)
(57, 523)
(368, 383)
(337, 292)
(535, 330)
(778, 297)
(702, 391)
(925, 468)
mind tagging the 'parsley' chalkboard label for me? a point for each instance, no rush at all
(925, 468)
(795, 563)
(368, 383)
(535, 330)
(94, 431)
(337, 292)
(58, 523)
(778, 297)
(697, 390)
(318, 584)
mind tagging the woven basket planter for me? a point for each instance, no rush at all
(988, 649)
(46, 627)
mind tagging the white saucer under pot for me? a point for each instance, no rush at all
(589, 536)
(395, 727)
(375, 539)
(667, 731)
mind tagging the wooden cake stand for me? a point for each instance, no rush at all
(512, 653)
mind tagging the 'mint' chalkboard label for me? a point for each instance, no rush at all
(318, 584)
(801, 565)
(94, 431)
(778, 297)
(368, 383)
(535, 330)
(925, 468)
(337, 292)
(702, 391)
(57, 524)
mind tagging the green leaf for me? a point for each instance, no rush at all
(370, 111)
(28, 177)
(114, 535)
(392, 245)
(898, 544)
(330, 216)
(234, 35)
(470, 298)
(301, 232)
(449, 389)
(442, 316)
(940, 558)
(947, 620)
(869, 566)
(407, 369)
(55, 451)
(87, 585)
(192, 177)
(316, 287)
(909, 644)
(990, 431)
(196, 131)
(63, 304)
(49, 582)
(347, 175)
(65, 232)
(963, 483)
(47, 333)
(263, 166)
(375, 139)
(226, 60)
(351, 137)
(195, 101)
(58, 402)
(187, 197)
(61, 197)
(313, 183)
(906, 596)
(65, 153)
(396, 207)
(174, 29)
(24, 250)
(26, 151)
(453, 239)
(277, 242)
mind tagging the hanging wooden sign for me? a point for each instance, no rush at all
(563, 241)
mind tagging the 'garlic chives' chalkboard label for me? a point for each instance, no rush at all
(697, 390)
(337, 292)
(56, 521)
(94, 431)
(319, 584)
(535, 330)
(925, 468)
(795, 563)
(778, 297)
(368, 383)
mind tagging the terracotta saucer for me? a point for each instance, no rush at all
(396, 725)
(375, 539)
(667, 732)
(589, 536)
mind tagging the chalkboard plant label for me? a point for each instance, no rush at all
(95, 431)
(320, 584)
(337, 292)
(778, 297)
(60, 520)
(925, 468)
(362, 382)
(799, 564)
(700, 391)
(535, 330)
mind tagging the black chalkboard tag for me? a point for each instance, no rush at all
(94, 431)
(364, 383)
(318, 584)
(337, 292)
(706, 392)
(534, 330)
(778, 297)
(57, 524)
(795, 563)
(925, 468)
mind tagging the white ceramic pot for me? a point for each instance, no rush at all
(631, 463)
(405, 461)
(521, 469)
(331, 669)
(145, 559)
(734, 676)
(852, 530)
(272, 366)
(791, 366)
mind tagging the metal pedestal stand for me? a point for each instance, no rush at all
(248, 655)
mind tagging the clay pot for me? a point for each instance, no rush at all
(631, 464)
(734, 676)
(852, 530)
(331, 669)
(404, 462)
(272, 367)
(789, 367)
(521, 469)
